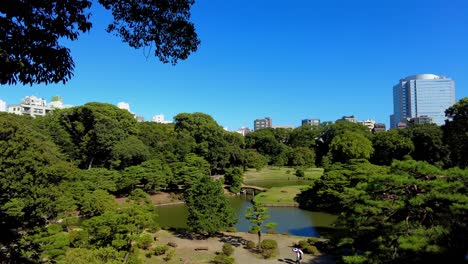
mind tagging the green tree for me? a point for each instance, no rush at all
(329, 132)
(92, 132)
(302, 156)
(414, 216)
(233, 177)
(119, 228)
(456, 133)
(209, 211)
(129, 152)
(108, 255)
(428, 144)
(209, 138)
(265, 142)
(96, 203)
(257, 215)
(253, 159)
(33, 53)
(189, 170)
(305, 136)
(32, 176)
(390, 145)
(350, 145)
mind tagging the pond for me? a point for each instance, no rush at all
(291, 220)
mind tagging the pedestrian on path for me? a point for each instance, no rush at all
(299, 254)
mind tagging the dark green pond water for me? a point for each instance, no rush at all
(291, 220)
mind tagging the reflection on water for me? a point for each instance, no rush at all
(291, 220)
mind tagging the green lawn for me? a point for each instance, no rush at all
(279, 196)
(280, 173)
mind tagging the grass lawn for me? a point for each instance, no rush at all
(280, 173)
(279, 196)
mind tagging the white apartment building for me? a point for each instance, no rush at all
(30, 105)
(34, 106)
(2, 106)
(160, 119)
(368, 123)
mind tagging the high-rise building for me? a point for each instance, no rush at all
(262, 123)
(2, 106)
(311, 121)
(422, 95)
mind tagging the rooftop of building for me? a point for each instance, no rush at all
(426, 76)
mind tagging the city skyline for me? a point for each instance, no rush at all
(286, 61)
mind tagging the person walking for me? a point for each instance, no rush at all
(299, 254)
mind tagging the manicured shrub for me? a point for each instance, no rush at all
(302, 244)
(228, 249)
(144, 241)
(160, 250)
(223, 259)
(250, 245)
(268, 244)
(311, 250)
(300, 173)
(269, 253)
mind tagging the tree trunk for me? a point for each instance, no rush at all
(259, 238)
(90, 163)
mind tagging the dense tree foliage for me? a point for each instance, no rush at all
(411, 212)
(233, 177)
(89, 134)
(209, 138)
(390, 145)
(350, 145)
(31, 33)
(209, 210)
(428, 144)
(60, 175)
(456, 133)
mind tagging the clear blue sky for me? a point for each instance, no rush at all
(288, 60)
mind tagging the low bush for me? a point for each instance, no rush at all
(268, 244)
(228, 249)
(160, 250)
(312, 240)
(311, 250)
(300, 173)
(269, 253)
(250, 245)
(145, 241)
(223, 259)
(302, 244)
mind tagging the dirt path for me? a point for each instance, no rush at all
(186, 252)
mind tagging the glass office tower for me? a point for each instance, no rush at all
(422, 95)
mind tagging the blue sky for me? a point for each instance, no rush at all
(288, 60)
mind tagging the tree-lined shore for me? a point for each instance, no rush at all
(401, 194)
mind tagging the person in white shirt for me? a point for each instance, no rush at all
(299, 254)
